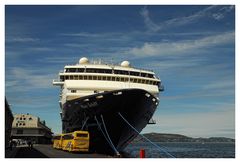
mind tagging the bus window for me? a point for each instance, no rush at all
(82, 135)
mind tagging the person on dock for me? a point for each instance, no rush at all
(30, 144)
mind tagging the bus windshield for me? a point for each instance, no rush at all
(82, 135)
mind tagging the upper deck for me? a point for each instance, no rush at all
(100, 71)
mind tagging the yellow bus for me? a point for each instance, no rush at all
(57, 141)
(77, 141)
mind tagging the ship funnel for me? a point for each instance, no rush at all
(125, 64)
(83, 60)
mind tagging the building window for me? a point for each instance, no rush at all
(30, 118)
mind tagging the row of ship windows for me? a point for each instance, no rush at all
(108, 78)
(109, 71)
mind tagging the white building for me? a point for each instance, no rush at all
(26, 126)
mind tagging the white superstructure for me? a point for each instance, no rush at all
(87, 78)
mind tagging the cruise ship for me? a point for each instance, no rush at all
(110, 101)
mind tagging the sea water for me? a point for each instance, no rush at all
(183, 150)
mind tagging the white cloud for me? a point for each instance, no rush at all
(181, 47)
(220, 85)
(41, 49)
(22, 39)
(20, 79)
(82, 34)
(218, 16)
(215, 12)
(148, 22)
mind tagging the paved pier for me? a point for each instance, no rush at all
(47, 151)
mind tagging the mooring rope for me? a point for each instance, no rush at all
(111, 145)
(99, 126)
(109, 136)
(84, 123)
(158, 147)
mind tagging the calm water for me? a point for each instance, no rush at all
(184, 150)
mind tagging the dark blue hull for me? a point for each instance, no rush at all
(136, 105)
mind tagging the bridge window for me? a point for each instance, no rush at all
(121, 72)
(61, 78)
(134, 73)
(94, 70)
(80, 69)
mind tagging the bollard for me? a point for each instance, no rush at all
(142, 153)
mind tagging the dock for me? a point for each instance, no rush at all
(47, 151)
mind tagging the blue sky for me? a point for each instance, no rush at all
(191, 48)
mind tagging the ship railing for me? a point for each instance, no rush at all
(110, 63)
(57, 82)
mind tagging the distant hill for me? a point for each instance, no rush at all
(163, 137)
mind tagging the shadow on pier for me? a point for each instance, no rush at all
(26, 152)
